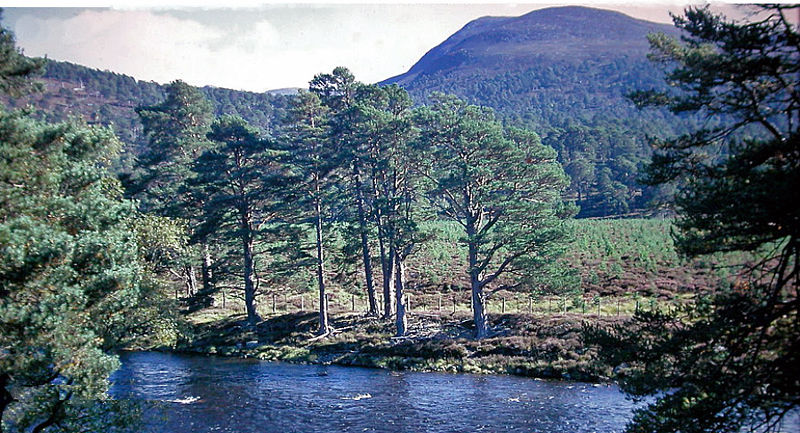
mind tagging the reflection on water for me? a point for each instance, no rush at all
(202, 394)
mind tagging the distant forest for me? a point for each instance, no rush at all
(108, 98)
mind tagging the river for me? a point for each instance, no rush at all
(208, 394)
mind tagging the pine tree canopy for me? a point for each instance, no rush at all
(728, 363)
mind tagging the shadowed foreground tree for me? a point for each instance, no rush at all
(730, 363)
(72, 286)
(71, 281)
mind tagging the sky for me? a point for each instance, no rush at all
(246, 46)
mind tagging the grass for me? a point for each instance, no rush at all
(617, 264)
(537, 346)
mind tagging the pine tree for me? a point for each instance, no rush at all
(239, 182)
(176, 129)
(502, 187)
(338, 91)
(314, 164)
(388, 131)
(730, 362)
(71, 278)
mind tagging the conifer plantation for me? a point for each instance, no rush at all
(377, 225)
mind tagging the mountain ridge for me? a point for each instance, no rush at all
(563, 72)
(548, 34)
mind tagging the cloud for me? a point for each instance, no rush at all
(254, 49)
(153, 46)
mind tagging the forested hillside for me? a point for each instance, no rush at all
(109, 98)
(564, 73)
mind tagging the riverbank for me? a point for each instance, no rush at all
(540, 346)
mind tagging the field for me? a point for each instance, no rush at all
(610, 268)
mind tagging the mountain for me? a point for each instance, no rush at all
(500, 44)
(563, 72)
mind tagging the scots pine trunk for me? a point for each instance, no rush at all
(362, 225)
(323, 306)
(479, 310)
(5, 396)
(476, 285)
(191, 280)
(388, 277)
(208, 277)
(387, 258)
(401, 322)
(203, 297)
(249, 275)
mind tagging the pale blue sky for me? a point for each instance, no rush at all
(258, 48)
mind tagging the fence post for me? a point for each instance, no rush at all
(504, 306)
(440, 303)
(302, 303)
(273, 303)
(352, 302)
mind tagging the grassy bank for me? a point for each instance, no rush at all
(542, 346)
(618, 266)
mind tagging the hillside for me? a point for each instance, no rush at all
(501, 44)
(108, 98)
(563, 72)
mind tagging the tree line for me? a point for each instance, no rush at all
(356, 161)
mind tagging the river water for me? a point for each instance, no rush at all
(186, 393)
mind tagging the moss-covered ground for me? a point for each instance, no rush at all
(542, 346)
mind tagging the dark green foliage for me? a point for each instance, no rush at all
(71, 281)
(176, 129)
(729, 363)
(503, 187)
(717, 367)
(240, 182)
